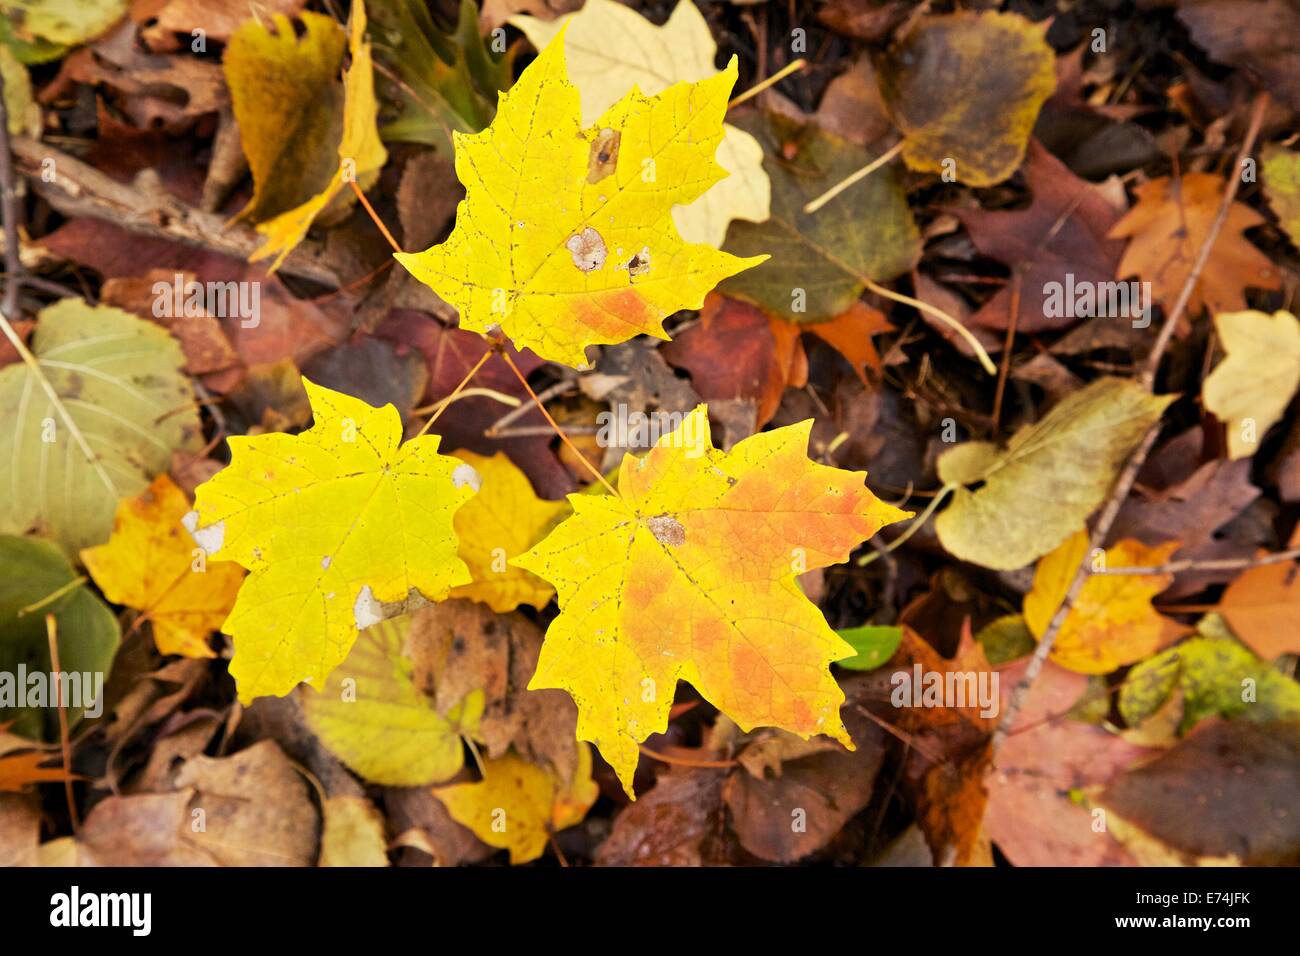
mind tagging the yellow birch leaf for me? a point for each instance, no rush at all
(611, 49)
(689, 573)
(287, 100)
(517, 804)
(1280, 169)
(361, 154)
(1047, 480)
(965, 89)
(565, 238)
(501, 522)
(1112, 622)
(372, 716)
(152, 565)
(331, 524)
(1250, 389)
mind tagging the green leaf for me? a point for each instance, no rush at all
(1217, 676)
(1006, 639)
(874, 646)
(34, 571)
(439, 83)
(122, 407)
(818, 262)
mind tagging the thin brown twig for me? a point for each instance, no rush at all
(551, 421)
(1218, 564)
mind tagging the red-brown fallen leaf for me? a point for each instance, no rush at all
(678, 823)
(1061, 233)
(788, 811)
(1224, 795)
(284, 327)
(1255, 36)
(449, 355)
(1263, 608)
(1031, 816)
(738, 352)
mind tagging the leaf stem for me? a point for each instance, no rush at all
(772, 80)
(853, 178)
(443, 404)
(551, 421)
(939, 314)
(374, 216)
(912, 528)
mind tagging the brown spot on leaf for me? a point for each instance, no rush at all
(667, 530)
(604, 155)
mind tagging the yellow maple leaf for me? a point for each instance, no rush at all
(518, 805)
(1250, 389)
(689, 573)
(502, 521)
(330, 523)
(361, 154)
(611, 49)
(1169, 224)
(1112, 622)
(149, 563)
(565, 238)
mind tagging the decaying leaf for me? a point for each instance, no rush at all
(1207, 675)
(152, 565)
(518, 805)
(689, 573)
(120, 407)
(352, 833)
(1039, 489)
(1111, 622)
(1250, 389)
(965, 90)
(330, 524)
(819, 261)
(288, 102)
(1222, 797)
(561, 254)
(361, 155)
(1280, 169)
(611, 49)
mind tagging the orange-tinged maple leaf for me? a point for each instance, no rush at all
(565, 238)
(1168, 225)
(689, 573)
(149, 564)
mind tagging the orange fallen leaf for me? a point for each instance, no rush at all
(1169, 224)
(1262, 607)
(151, 564)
